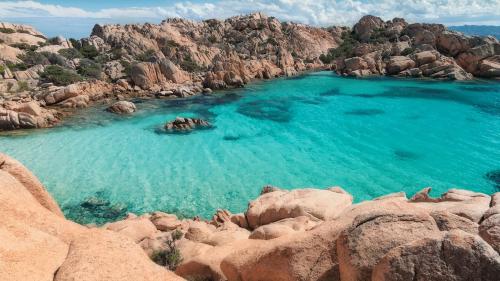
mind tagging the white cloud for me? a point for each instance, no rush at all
(316, 12)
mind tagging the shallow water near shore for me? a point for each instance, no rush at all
(370, 136)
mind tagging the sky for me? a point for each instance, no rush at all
(72, 18)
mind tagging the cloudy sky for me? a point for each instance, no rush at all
(72, 18)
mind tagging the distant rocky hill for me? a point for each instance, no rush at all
(43, 79)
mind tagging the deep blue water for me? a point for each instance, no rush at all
(370, 136)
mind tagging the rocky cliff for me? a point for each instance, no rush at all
(304, 234)
(375, 47)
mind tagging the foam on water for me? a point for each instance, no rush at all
(371, 136)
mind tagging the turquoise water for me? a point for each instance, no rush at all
(370, 136)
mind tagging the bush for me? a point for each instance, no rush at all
(2, 70)
(171, 256)
(60, 76)
(24, 46)
(76, 43)
(146, 56)
(127, 67)
(53, 41)
(89, 51)
(23, 31)
(17, 66)
(7, 30)
(22, 86)
(189, 65)
(212, 39)
(31, 58)
(55, 58)
(90, 69)
(344, 50)
(407, 51)
(70, 53)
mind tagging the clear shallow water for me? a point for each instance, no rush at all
(371, 137)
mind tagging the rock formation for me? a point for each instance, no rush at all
(182, 124)
(181, 58)
(375, 47)
(304, 234)
(122, 107)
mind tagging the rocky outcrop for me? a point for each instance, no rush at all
(415, 50)
(182, 124)
(308, 234)
(122, 107)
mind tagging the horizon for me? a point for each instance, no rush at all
(75, 19)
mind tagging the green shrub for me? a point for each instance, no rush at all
(60, 76)
(70, 53)
(89, 51)
(16, 66)
(212, 39)
(24, 46)
(272, 41)
(53, 41)
(2, 70)
(344, 50)
(172, 44)
(55, 58)
(171, 256)
(117, 53)
(23, 31)
(146, 56)
(31, 58)
(90, 69)
(22, 86)
(189, 65)
(407, 51)
(127, 67)
(7, 30)
(77, 44)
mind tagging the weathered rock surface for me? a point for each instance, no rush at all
(398, 47)
(122, 107)
(182, 124)
(37, 243)
(453, 255)
(282, 204)
(299, 237)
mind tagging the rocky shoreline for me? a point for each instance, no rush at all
(42, 79)
(302, 234)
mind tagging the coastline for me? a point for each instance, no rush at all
(304, 234)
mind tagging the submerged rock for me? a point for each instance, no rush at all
(122, 107)
(182, 124)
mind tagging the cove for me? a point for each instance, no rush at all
(370, 136)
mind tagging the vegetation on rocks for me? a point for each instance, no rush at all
(70, 53)
(344, 50)
(89, 69)
(7, 30)
(170, 257)
(60, 76)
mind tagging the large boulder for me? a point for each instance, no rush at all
(454, 255)
(103, 255)
(30, 182)
(283, 227)
(313, 203)
(136, 229)
(366, 25)
(372, 235)
(464, 203)
(397, 64)
(122, 107)
(452, 43)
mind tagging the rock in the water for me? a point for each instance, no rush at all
(182, 124)
(122, 107)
